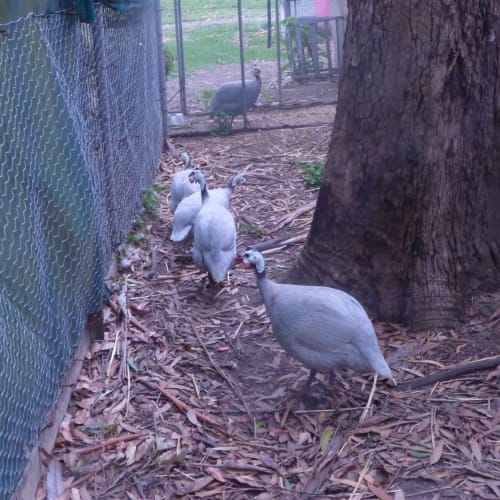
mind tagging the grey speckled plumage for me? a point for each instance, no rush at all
(188, 208)
(228, 99)
(214, 245)
(324, 328)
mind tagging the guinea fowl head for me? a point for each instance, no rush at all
(237, 179)
(256, 72)
(253, 259)
(186, 159)
(197, 176)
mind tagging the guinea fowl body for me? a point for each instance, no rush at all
(188, 208)
(214, 245)
(324, 328)
(228, 99)
(181, 186)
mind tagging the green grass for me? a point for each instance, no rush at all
(194, 10)
(150, 212)
(205, 46)
(210, 33)
(251, 229)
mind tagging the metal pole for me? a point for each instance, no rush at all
(242, 64)
(278, 48)
(180, 54)
(161, 71)
(340, 31)
(269, 25)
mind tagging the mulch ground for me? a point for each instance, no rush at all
(190, 396)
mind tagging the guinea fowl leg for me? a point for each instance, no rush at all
(307, 385)
(303, 394)
(246, 122)
(211, 282)
(334, 380)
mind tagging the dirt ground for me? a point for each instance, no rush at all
(190, 396)
(273, 95)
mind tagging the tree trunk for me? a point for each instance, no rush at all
(408, 215)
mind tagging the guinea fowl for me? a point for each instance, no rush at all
(188, 208)
(214, 246)
(228, 100)
(181, 186)
(324, 328)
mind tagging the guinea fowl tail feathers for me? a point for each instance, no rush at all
(180, 234)
(379, 364)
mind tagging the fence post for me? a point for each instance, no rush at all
(278, 48)
(105, 119)
(242, 65)
(340, 31)
(161, 70)
(180, 54)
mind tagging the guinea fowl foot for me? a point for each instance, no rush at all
(314, 399)
(333, 389)
(214, 284)
(304, 395)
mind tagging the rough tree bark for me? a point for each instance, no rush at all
(408, 215)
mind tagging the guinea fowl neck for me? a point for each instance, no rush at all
(204, 192)
(260, 269)
(260, 274)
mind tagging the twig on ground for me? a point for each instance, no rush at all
(361, 477)
(221, 373)
(110, 442)
(370, 399)
(269, 245)
(296, 213)
(184, 407)
(136, 323)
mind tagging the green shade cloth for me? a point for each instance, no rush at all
(12, 10)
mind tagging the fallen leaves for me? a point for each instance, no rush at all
(437, 452)
(195, 411)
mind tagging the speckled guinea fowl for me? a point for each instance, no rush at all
(214, 245)
(324, 328)
(189, 207)
(228, 99)
(181, 186)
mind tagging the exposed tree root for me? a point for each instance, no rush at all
(451, 373)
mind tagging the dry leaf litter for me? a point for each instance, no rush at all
(190, 396)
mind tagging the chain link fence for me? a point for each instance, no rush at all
(203, 42)
(80, 139)
(295, 43)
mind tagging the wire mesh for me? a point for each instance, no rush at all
(202, 45)
(71, 182)
(211, 50)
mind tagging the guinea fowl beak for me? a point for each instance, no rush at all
(239, 260)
